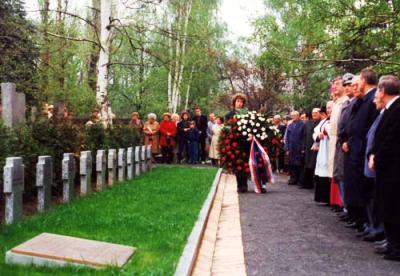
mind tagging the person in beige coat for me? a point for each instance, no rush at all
(151, 130)
(340, 99)
(214, 153)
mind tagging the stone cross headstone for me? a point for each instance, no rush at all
(130, 161)
(112, 166)
(44, 181)
(68, 176)
(13, 105)
(101, 169)
(13, 188)
(143, 159)
(149, 157)
(85, 168)
(121, 165)
(137, 160)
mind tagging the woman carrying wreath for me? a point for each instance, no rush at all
(238, 103)
(151, 131)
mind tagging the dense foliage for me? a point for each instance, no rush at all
(309, 42)
(19, 53)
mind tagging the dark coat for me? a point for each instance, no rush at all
(338, 167)
(387, 162)
(363, 114)
(294, 142)
(194, 135)
(182, 135)
(201, 125)
(310, 156)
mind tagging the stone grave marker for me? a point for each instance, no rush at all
(58, 250)
(101, 169)
(68, 176)
(143, 159)
(13, 105)
(112, 166)
(13, 188)
(44, 181)
(121, 165)
(149, 157)
(130, 161)
(85, 168)
(137, 160)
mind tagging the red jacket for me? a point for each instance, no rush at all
(167, 129)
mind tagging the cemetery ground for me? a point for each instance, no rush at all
(154, 213)
(286, 233)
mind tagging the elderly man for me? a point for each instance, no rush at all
(363, 114)
(310, 156)
(385, 159)
(293, 147)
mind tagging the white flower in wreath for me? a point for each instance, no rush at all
(239, 123)
(262, 119)
(238, 116)
(243, 121)
(258, 135)
(244, 133)
(252, 123)
(240, 128)
(254, 130)
(258, 125)
(263, 128)
(248, 130)
(252, 117)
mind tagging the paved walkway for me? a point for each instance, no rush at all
(221, 250)
(286, 233)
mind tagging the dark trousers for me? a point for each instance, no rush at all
(308, 178)
(183, 151)
(193, 152)
(295, 173)
(372, 204)
(203, 152)
(358, 214)
(167, 154)
(241, 180)
(392, 231)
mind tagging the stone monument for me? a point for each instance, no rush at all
(44, 181)
(68, 176)
(13, 189)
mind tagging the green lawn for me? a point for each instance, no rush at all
(154, 213)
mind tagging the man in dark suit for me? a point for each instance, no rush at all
(362, 115)
(201, 124)
(385, 160)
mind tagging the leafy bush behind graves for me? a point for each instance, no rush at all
(55, 138)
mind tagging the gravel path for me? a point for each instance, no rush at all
(286, 233)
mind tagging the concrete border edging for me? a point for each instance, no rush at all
(188, 257)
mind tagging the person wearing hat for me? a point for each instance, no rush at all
(350, 83)
(321, 139)
(167, 139)
(135, 122)
(238, 103)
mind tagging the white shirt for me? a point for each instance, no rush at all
(387, 106)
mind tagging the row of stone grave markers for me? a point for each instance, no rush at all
(120, 166)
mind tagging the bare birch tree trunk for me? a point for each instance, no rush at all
(104, 60)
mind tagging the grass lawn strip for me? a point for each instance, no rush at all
(154, 213)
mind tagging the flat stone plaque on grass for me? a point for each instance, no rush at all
(57, 250)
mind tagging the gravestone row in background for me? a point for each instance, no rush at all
(139, 161)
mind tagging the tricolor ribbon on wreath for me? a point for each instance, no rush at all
(260, 168)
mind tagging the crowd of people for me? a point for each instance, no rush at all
(349, 151)
(181, 138)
